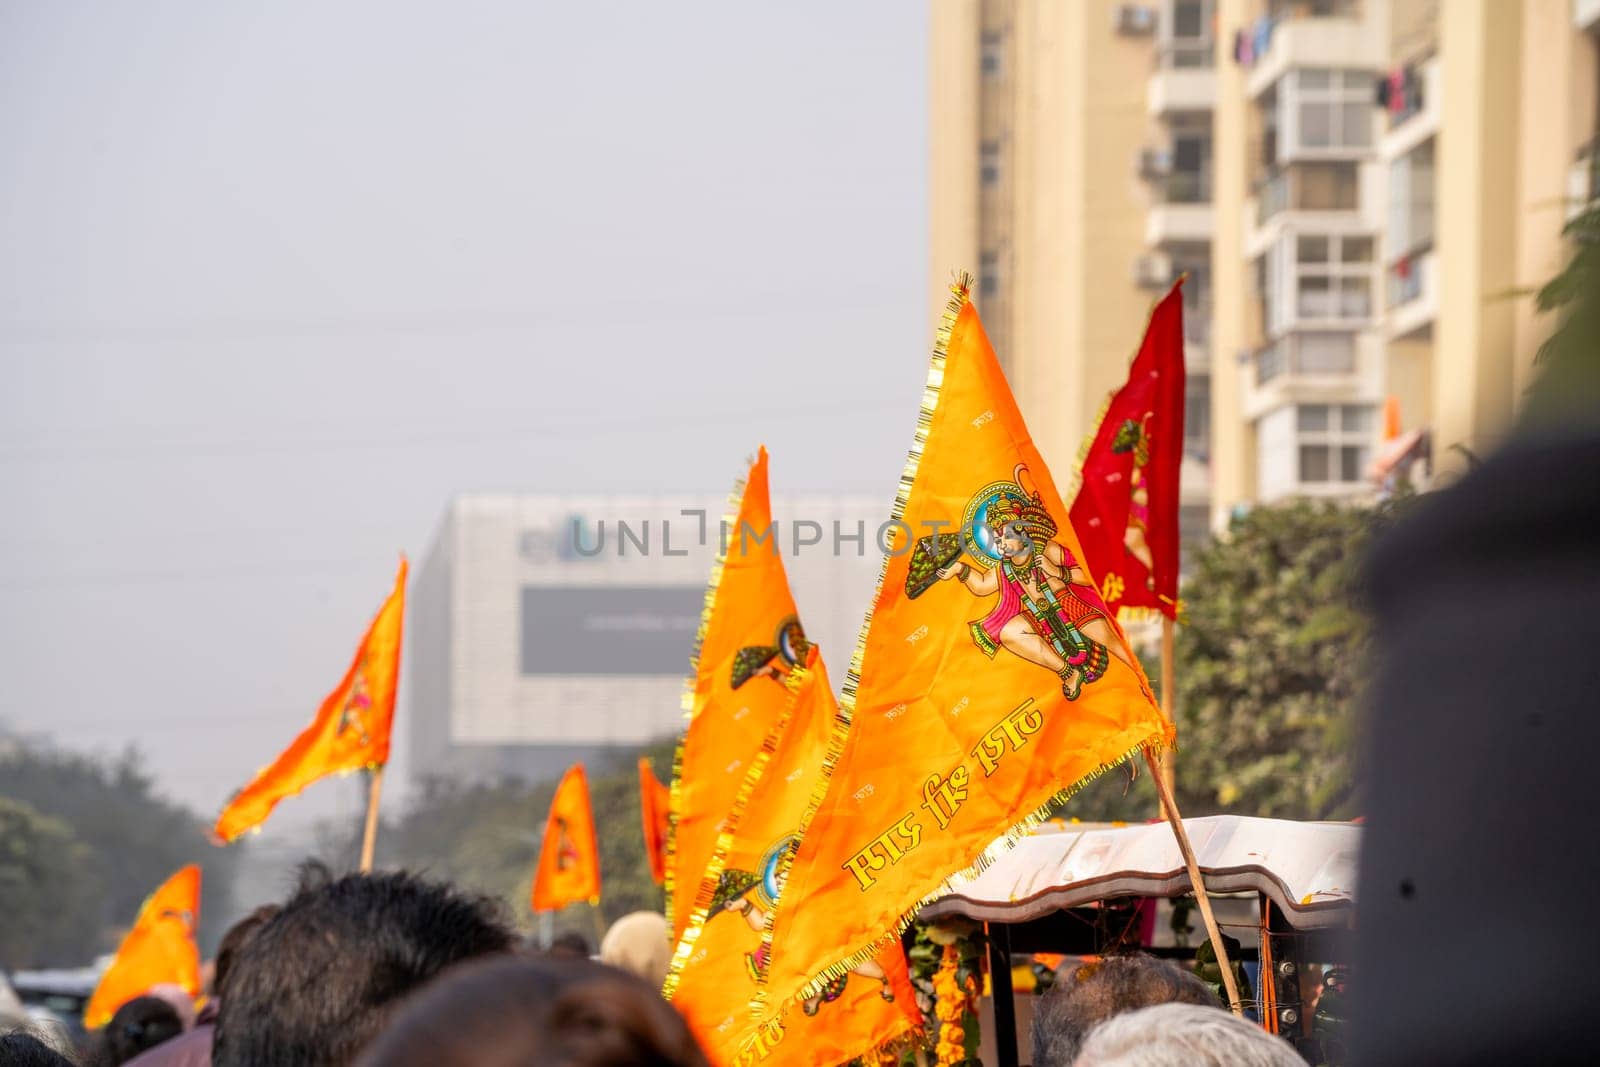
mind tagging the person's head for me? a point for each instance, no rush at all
(1184, 1035)
(142, 1023)
(1087, 995)
(640, 944)
(234, 940)
(317, 980)
(19, 1048)
(572, 945)
(553, 1012)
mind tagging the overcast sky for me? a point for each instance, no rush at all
(277, 280)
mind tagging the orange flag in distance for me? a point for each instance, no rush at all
(350, 732)
(750, 640)
(655, 801)
(158, 949)
(569, 857)
(716, 965)
(989, 682)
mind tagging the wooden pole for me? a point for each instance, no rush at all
(599, 925)
(1175, 820)
(1002, 997)
(370, 837)
(1169, 703)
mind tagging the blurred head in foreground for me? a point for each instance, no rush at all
(554, 1012)
(1184, 1035)
(316, 981)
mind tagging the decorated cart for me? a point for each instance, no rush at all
(1283, 890)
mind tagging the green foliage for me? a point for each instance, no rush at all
(486, 838)
(1567, 392)
(121, 841)
(48, 885)
(1272, 662)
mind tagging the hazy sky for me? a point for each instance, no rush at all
(276, 280)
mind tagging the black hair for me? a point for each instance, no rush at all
(18, 1048)
(1087, 995)
(318, 979)
(140, 1024)
(546, 1010)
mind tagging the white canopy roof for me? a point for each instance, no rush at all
(1307, 869)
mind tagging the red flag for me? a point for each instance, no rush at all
(1126, 512)
(655, 803)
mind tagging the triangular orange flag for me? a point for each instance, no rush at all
(750, 639)
(716, 966)
(158, 949)
(350, 732)
(569, 858)
(655, 801)
(989, 683)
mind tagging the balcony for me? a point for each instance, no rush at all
(1308, 187)
(1312, 367)
(1168, 224)
(1411, 286)
(1412, 125)
(1335, 41)
(1184, 79)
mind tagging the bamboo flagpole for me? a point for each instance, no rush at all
(369, 837)
(1175, 820)
(1169, 702)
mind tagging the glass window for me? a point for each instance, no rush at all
(1355, 249)
(1315, 465)
(1188, 18)
(1355, 297)
(1355, 123)
(1352, 463)
(1312, 418)
(1312, 249)
(989, 162)
(1355, 418)
(1316, 298)
(991, 52)
(1327, 353)
(1308, 79)
(1316, 125)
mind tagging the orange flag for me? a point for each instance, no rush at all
(989, 683)
(350, 732)
(569, 858)
(655, 802)
(717, 964)
(750, 639)
(159, 949)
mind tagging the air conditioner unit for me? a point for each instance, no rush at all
(1133, 20)
(1155, 162)
(1153, 270)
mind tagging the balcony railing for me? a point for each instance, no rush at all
(1193, 54)
(1405, 279)
(1308, 187)
(1308, 354)
(1186, 187)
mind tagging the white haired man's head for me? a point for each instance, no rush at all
(1183, 1035)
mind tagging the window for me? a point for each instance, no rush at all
(1333, 277)
(989, 162)
(1197, 416)
(1325, 111)
(992, 50)
(988, 275)
(1335, 442)
(1190, 179)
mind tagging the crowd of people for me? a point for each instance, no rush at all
(391, 970)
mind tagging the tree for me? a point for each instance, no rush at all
(1271, 663)
(48, 885)
(133, 838)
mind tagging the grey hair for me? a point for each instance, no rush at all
(1183, 1035)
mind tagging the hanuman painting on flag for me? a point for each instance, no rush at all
(754, 895)
(1046, 608)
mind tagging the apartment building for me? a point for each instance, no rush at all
(1356, 189)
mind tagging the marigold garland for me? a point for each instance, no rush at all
(952, 1001)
